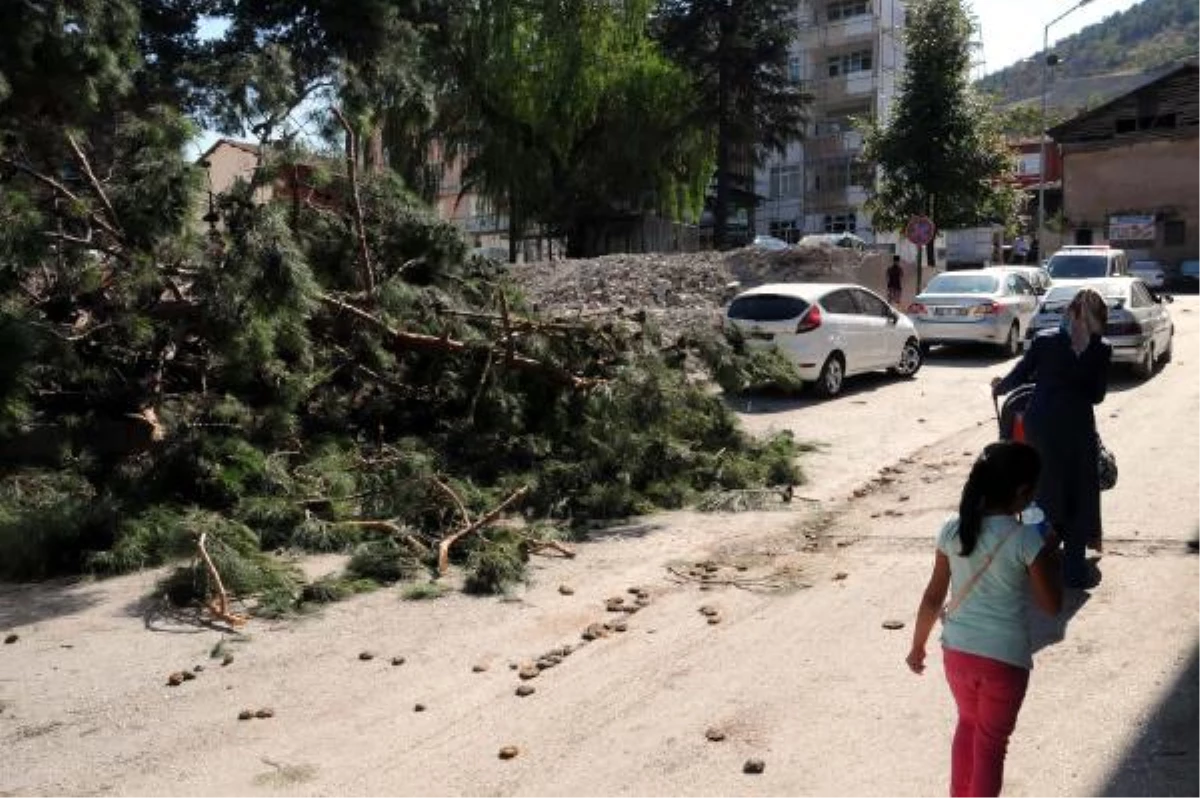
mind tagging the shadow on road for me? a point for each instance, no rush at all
(24, 604)
(769, 400)
(1163, 760)
(967, 356)
(1046, 630)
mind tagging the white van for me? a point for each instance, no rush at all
(1087, 263)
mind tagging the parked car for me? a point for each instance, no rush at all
(1086, 263)
(843, 240)
(828, 331)
(983, 306)
(769, 243)
(1149, 272)
(1187, 280)
(1139, 326)
(1037, 276)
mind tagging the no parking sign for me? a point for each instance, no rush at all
(920, 230)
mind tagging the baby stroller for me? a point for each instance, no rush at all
(1010, 416)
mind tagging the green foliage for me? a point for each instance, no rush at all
(942, 149)
(495, 567)
(572, 117)
(424, 591)
(735, 53)
(239, 380)
(384, 561)
(1146, 36)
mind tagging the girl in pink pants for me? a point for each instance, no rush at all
(991, 563)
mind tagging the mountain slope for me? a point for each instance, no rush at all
(1104, 59)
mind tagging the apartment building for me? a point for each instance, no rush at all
(848, 55)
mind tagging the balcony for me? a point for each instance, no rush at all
(848, 31)
(846, 88)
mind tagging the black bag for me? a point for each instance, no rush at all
(1106, 464)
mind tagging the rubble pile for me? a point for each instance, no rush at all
(681, 290)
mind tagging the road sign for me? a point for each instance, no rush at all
(920, 230)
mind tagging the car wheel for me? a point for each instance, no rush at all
(832, 376)
(911, 357)
(1144, 369)
(1012, 344)
(1169, 352)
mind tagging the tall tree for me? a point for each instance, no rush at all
(572, 117)
(736, 52)
(942, 150)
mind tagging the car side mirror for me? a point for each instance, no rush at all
(1168, 298)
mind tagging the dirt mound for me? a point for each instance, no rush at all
(679, 290)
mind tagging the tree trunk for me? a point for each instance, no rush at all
(930, 247)
(513, 227)
(721, 205)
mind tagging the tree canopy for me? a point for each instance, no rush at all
(736, 54)
(941, 150)
(302, 375)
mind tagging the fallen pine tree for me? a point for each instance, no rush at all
(300, 377)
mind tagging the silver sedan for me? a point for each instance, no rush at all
(1139, 326)
(983, 306)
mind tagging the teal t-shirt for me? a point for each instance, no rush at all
(992, 621)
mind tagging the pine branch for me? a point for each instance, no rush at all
(86, 166)
(487, 518)
(431, 343)
(364, 251)
(96, 218)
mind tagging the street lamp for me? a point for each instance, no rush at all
(1046, 64)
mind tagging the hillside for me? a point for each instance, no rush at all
(1107, 58)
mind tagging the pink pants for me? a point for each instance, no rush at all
(989, 695)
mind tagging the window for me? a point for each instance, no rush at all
(1141, 296)
(767, 307)
(849, 63)
(841, 223)
(785, 181)
(845, 9)
(839, 302)
(795, 71)
(869, 305)
(1174, 233)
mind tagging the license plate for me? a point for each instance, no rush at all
(949, 311)
(763, 336)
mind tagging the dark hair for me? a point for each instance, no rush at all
(999, 472)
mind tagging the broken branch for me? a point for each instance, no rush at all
(432, 343)
(487, 518)
(360, 227)
(218, 605)
(86, 166)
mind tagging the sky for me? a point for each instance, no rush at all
(1012, 29)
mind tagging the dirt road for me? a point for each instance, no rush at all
(804, 677)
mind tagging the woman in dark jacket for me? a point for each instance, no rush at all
(1069, 369)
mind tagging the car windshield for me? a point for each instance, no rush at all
(767, 307)
(1074, 266)
(961, 284)
(1191, 267)
(1063, 294)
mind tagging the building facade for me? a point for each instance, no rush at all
(1131, 170)
(848, 56)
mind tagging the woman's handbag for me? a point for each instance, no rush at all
(1106, 464)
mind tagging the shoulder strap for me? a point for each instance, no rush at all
(957, 600)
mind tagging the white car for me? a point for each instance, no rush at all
(976, 306)
(1139, 327)
(1149, 272)
(769, 243)
(828, 331)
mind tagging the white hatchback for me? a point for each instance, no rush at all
(828, 331)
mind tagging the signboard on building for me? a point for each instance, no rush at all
(1131, 228)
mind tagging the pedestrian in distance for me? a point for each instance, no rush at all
(1068, 367)
(895, 279)
(991, 564)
